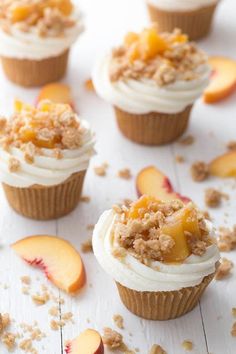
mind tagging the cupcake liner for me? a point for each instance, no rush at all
(196, 23)
(152, 128)
(44, 203)
(163, 305)
(30, 73)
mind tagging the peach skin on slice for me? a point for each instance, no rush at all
(88, 342)
(57, 93)
(224, 166)
(59, 260)
(223, 80)
(152, 182)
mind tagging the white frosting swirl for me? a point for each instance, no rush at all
(159, 277)
(29, 45)
(181, 5)
(145, 96)
(46, 169)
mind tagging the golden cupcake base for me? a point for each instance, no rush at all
(163, 305)
(30, 73)
(152, 128)
(45, 203)
(196, 24)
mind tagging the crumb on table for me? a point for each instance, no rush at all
(224, 269)
(199, 171)
(157, 349)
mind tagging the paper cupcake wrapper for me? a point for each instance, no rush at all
(44, 203)
(196, 23)
(163, 305)
(152, 128)
(30, 73)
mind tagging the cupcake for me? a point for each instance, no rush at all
(161, 255)
(35, 39)
(44, 152)
(194, 17)
(152, 80)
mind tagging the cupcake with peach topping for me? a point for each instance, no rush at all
(44, 152)
(152, 80)
(35, 39)
(162, 255)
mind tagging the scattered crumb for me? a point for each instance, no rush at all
(119, 321)
(187, 345)
(25, 279)
(101, 170)
(88, 84)
(187, 140)
(213, 197)
(206, 215)
(13, 164)
(224, 269)
(54, 311)
(157, 349)
(233, 330)
(127, 202)
(40, 299)
(234, 311)
(87, 246)
(112, 339)
(231, 145)
(4, 321)
(125, 173)
(9, 340)
(179, 159)
(227, 239)
(85, 199)
(199, 171)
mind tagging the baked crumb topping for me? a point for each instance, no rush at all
(187, 140)
(125, 173)
(187, 345)
(157, 349)
(227, 239)
(112, 339)
(162, 57)
(101, 170)
(233, 330)
(147, 229)
(224, 269)
(47, 18)
(49, 125)
(199, 171)
(119, 321)
(213, 197)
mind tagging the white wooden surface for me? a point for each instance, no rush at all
(208, 326)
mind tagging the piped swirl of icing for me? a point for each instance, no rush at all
(145, 96)
(131, 273)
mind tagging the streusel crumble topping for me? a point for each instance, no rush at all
(47, 18)
(162, 57)
(49, 125)
(149, 229)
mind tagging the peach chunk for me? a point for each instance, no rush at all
(176, 225)
(59, 260)
(140, 206)
(20, 13)
(224, 166)
(88, 342)
(57, 93)
(223, 80)
(153, 182)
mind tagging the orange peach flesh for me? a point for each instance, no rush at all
(224, 166)
(88, 342)
(151, 181)
(61, 263)
(56, 92)
(223, 80)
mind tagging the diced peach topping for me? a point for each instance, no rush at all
(142, 205)
(19, 13)
(146, 45)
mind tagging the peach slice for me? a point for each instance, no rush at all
(153, 182)
(224, 165)
(88, 342)
(59, 260)
(223, 80)
(57, 93)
